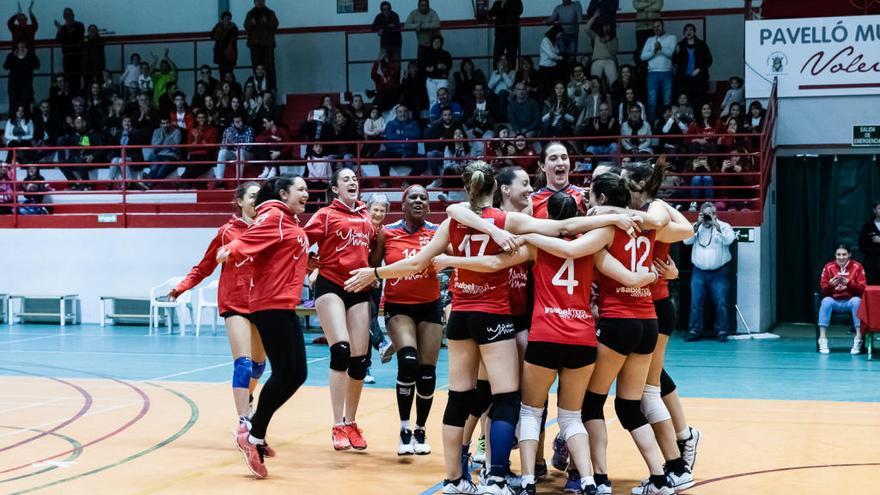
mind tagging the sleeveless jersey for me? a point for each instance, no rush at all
(616, 300)
(418, 288)
(660, 290)
(562, 312)
(472, 291)
(518, 279)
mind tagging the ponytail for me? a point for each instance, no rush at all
(614, 188)
(652, 175)
(479, 181)
(271, 189)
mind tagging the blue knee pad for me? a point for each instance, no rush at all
(340, 355)
(242, 372)
(259, 368)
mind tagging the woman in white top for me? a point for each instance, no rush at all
(501, 82)
(19, 129)
(549, 57)
(129, 78)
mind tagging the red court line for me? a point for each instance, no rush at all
(779, 470)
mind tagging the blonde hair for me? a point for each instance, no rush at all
(479, 181)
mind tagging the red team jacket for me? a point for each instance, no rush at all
(343, 236)
(617, 300)
(853, 270)
(562, 312)
(540, 197)
(472, 291)
(418, 288)
(235, 278)
(279, 249)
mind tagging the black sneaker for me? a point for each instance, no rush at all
(541, 469)
(529, 489)
(722, 337)
(691, 337)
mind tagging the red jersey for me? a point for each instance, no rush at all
(472, 291)
(418, 288)
(279, 249)
(660, 290)
(518, 280)
(562, 312)
(540, 197)
(235, 278)
(617, 300)
(343, 236)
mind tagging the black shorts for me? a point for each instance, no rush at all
(665, 315)
(430, 312)
(349, 299)
(484, 328)
(628, 335)
(227, 314)
(521, 323)
(555, 356)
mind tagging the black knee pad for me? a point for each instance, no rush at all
(407, 365)
(629, 412)
(457, 408)
(544, 416)
(667, 386)
(357, 366)
(594, 406)
(482, 398)
(427, 381)
(505, 407)
(340, 355)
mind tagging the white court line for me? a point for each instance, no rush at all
(33, 404)
(29, 339)
(189, 372)
(56, 421)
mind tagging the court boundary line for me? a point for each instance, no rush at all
(783, 469)
(77, 451)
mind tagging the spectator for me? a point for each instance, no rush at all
(48, 125)
(205, 134)
(457, 155)
(163, 73)
(685, 110)
(127, 136)
(523, 113)
(96, 105)
(386, 76)
(166, 156)
(506, 16)
(259, 79)
(701, 181)
(577, 85)
(603, 13)
(658, 52)
(109, 87)
(465, 79)
(78, 109)
(568, 15)
(6, 192)
(527, 74)
(317, 127)
(225, 38)
(647, 11)
(70, 35)
(626, 80)
(374, 130)
(604, 59)
(735, 113)
(211, 110)
(869, 245)
(387, 24)
(80, 143)
(344, 130)
(181, 115)
(754, 122)
(548, 63)
(236, 133)
(842, 283)
(480, 116)
(735, 94)
(268, 107)
(144, 114)
(277, 136)
(692, 60)
(426, 24)
(437, 63)
(522, 154)
(729, 140)
(414, 94)
(559, 113)
(591, 98)
(733, 169)
(405, 130)
(318, 172)
(443, 101)
(705, 126)
(711, 258)
(501, 84)
(229, 113)
(19, 130)
(357, 113)
(251, 101)
(166, 101)
(206, 77)
(444, 129)
(94, 63)
(633, 130)
(671, 124)
(129, 78)
(35, 187)
(629, 100)
(234, 88)
(19, 28)
(111, 120)
(602, 128)
(145, 80)
(260, 25)
(21, 64)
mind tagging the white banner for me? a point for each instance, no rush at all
(819, 56)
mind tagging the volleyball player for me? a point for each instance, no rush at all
(279, 249)
(413, 317)
(344, 234)
(249, 358)
(555, 165)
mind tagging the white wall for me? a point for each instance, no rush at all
(824, 119)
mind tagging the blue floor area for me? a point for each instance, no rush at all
(785, 369)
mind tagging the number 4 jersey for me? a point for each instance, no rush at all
(562, 312)
(615, 299)
(472, 291)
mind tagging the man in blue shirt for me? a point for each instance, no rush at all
(407, 132)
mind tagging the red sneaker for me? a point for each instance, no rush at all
(340, 438)
(253, 455)
(267, 451)
(355, 436)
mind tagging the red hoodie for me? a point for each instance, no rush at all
(279, 249)
(344, 236)
(235, 278)
(853, 270)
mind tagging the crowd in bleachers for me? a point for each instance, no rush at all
(621, 105)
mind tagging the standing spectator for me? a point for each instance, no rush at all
(465, 79)
(70, 35)
(633, 129)
(842, 283)
(387, 24)
(692, 61)
(657, 52)
(405, 131)
(603, 13)
(164, 73)
(869, 245)
(225, 37)
(548, 62)
(426, 24)
(166, 155)
(734, 94)
(604, 60)
(711, 259)
(647, 11)
(128, 81)
(569, 15)
(523, 113)
(260, 25)
(19, 28)
(95, 61)
(386, 76)
(145, 80)
(21, 64)
(237, 133)
(437, 63)
(506, 16)
(501, 84)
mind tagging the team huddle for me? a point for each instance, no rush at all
(555, 283)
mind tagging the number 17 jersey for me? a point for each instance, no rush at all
(473, 291)
(637, 255)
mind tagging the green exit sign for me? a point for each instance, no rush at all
(745, 234)
(866, 135)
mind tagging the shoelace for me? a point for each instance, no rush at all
(261, 450)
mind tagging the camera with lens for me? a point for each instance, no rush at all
(706, 217)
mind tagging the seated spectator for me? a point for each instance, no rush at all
(527, 74)
(60, 96)
(374, 130)
(357, 113)
(231, 111)
(166, 101)
(603, 129)
(735, 112)
(344, 130)
(633, 129)
(501, 84)
(405, 131)
(251, 101)
(80, 142)
(559, 114)
(733, 169)
(457, 155)
(729, 140)
(128, 135)
(705, 126)
(577, 85)
(96, 104)
(19, 130)
(48, 125)
(735, 94)
(268, 107)
(201, 133)
(316, 127)
(685, 110)
(112, 118)
(166, 137)
(604, 59)
(671, 124)
(233, 88)
(318, 171)
(414, 95)
(591, 99)
(211, 110)
(443, 101)
(277, 135)
(480, 116)
(701, 182)
(77, 109)
(437, 63)
(442, 130)
(842, 284)
(754, 121)
(386, 77)
(465, 79)
(163, 73)
(629, 99)
(522, 154)
(259, 79)
(6, 191)
(198, 99)
(523, 113)
(35, 188)
(205, 77)
(625, 80)
(181, 116)
(237, 133)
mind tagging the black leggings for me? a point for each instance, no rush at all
(286, 350)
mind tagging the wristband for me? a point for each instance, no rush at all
(376, 273)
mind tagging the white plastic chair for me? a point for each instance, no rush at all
(182, 302)
(208, 300)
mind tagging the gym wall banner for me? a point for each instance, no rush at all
(823, 56)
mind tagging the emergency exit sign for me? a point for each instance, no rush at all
(866, 135)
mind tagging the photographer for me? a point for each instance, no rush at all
(710, 256)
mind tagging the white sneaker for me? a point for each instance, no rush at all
(495, 486)
(386, 351)
(405, 445)
(688, 447)
(420, 443)
(369, 378)
(857, 346)
(265, 173)
(460, 487)
(272, 173)
(604, 489)
(650, 489)
(436, 184)
(823, 346)
(681, 482)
